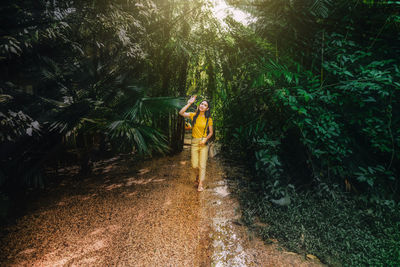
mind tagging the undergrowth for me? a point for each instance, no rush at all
(340, 231)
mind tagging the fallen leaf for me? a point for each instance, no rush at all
(312, 257)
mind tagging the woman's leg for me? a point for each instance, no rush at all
(195, 159)
(203, 163)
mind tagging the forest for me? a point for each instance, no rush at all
(305, 97)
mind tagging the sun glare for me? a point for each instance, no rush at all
(221, 10)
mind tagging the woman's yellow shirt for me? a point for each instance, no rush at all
(198, 129)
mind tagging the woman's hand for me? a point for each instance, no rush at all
(203, 142)
(192, 99)
(183, 112)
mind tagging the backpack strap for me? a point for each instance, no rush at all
(194, 119)
(205, 128)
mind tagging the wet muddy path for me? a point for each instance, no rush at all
(139, 215)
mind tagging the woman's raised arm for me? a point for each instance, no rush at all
(183, 112)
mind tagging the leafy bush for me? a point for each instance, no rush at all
(348, 128)
(320, 117)
(345, 231)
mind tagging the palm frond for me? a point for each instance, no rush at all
(67, 119)
(320, 8)
(278, 70)
(5, 98)
(129, 135)
(142, 108)
(162, 104)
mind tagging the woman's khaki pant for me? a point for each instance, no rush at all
(199, 158)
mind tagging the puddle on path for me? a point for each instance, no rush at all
(228, 250)
(225, 239)
(226, 243)
(222, 191)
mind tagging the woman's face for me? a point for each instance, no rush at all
(203, 106)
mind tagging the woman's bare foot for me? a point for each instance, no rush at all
(200, 188)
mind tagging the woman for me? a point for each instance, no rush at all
(199, 149)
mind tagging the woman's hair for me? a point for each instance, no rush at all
(207, 113)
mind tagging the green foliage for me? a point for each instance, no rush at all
(341, 232)
(13, 125)
(342, 111)
(316, 115)
(344, 121)
(93, 75)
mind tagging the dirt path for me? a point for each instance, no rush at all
(147, 215)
